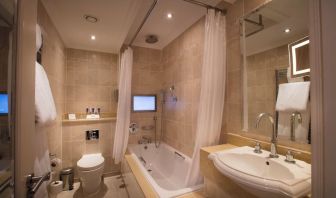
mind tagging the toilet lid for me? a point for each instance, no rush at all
(90, 162)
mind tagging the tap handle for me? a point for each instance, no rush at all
(257, 147)
(290, 156)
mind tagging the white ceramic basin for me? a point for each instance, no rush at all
(263, 176)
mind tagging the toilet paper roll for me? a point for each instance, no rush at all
(56, 187)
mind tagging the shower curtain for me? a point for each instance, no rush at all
(124, 105)
(211, 103)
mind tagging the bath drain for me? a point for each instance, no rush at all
(122, 186)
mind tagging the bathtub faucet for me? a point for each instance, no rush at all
(145, 140)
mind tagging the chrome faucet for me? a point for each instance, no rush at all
(273, 153)
(292, 121)
(145, 140)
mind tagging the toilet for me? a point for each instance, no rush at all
(90, 170)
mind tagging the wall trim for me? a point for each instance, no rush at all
(316, 98)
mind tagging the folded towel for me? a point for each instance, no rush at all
(38, 37)
(293, 97)
(300, 130)
(45, 109)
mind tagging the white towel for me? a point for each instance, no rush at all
(45, 109)
(293, 97)
(38, 37)
(300, 130)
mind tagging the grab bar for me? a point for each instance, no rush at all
(181, 156)
(143, 160)
(33, 183)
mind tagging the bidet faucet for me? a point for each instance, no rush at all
(273, 153)
(292, 121)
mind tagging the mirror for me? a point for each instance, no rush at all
(275, 44)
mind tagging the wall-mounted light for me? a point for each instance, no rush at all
(93, 37)
(287, 30)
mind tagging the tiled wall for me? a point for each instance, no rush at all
(182, 60)
(147, 74)
(233, 108)
(91, 78)
(53, 61)
(261, 85)
(154, 72)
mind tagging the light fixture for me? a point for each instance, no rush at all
(93, 37)
(169, 15)
(287, 30)
(90, 18)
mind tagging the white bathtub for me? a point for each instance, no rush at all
(165, 168)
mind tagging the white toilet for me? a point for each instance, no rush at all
(90, 171)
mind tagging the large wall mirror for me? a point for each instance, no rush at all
(275, 47)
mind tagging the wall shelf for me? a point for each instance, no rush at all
(106, 119)
(81, 118)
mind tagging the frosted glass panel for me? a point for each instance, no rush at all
(144, 103)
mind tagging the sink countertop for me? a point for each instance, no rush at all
(221, 147)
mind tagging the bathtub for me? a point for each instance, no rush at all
(164, 168)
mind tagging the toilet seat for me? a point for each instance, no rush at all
(90, 162)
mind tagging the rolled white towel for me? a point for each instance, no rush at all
(45, 109)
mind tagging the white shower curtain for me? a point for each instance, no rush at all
(124, 105)
(211, 103)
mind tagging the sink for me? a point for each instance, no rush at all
(263, 176)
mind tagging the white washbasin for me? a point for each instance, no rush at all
(263, 176)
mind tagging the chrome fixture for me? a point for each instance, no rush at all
(172, 90)
(207, 6)
(145, 140)
(33, 183)
(178, 154)
(133, 128)
(273, 153)
(92, 134)
(290, 156)
(90, 18)
(151, 39)
(142, 160)
(292, 123)
(257, 148)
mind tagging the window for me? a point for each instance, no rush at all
(142, 103)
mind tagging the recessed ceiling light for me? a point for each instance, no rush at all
(93, 37)
(91, 19)
(169, 15)
(287, 30)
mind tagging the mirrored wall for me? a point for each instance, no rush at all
(275, 43)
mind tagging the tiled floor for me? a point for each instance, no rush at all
(110, 188)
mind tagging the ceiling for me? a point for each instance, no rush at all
(184, 15)
(119, 20)
(279, 15)
(115, 19)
